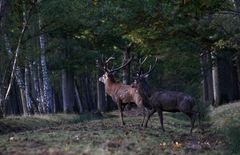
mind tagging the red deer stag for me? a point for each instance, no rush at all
(161, 100)
(120, 93)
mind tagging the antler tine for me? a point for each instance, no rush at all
(143, 60)
(151, 68)
(140, 65)
(122, 66)
(109, 59)
(105, 63)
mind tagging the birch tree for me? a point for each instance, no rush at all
(46, 87)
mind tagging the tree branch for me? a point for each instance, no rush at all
(25, 23)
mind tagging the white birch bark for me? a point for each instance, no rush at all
(27, 88)
(41, 106)
(46, 88)
(18, 76)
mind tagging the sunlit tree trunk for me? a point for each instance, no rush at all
(215, 77)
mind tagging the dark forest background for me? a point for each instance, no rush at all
(49, 49)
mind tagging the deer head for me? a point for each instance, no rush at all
(140, 82)
(108, 73)
(141, 76)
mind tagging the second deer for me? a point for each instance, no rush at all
(170, 101)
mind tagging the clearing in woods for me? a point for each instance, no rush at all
(104, 135)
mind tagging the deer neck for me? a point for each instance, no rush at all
(109, 86)
(145, 90)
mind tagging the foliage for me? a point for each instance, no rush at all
(79, 32)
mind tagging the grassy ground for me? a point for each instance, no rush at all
(97, 134)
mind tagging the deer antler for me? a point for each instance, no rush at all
(151, 68)
(140, 65)
(122, 66)
(109, 59)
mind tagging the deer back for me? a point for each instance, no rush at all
(172, 101)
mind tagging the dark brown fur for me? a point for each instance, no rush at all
(170, 101)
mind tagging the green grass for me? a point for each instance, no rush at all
(224, 115)
(23, 123)
(226, 121)
(97, 134)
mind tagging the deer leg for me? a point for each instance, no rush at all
(192, 118)
(149, 114)
(120, 108)
(198, 115)
(160, 115)
(192, 124)
(144, 115)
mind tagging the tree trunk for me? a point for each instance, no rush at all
(12, 104)
(237, 4)
(207, 77)
(238, 74)
(1, 103)
(27, 89)
(18, 77)
(2, 9)
(86, 107)
(126, 70)
(78, 99)
(87, 93)
(101, 100)
(46, 88)
(54, 110)
(215, 77)
(204, 80)
(40, 82)
(35, 86)
(68, 91)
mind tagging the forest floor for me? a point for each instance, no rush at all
(102, 134)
